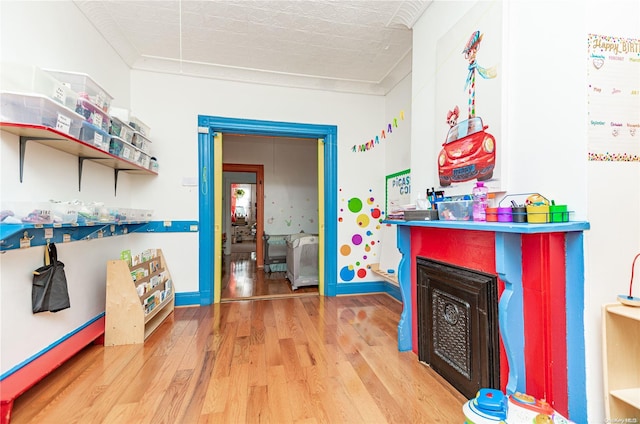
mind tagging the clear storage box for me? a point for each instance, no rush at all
(85, 86)
(93, 114)
(25, 212)
(23, 78)
(115, 146)
(95, 136)
(141, 142)
(37, 109)
(121, 129)
(128, 152)
(140, 126)
(461, 210)
(144, 160)
(64, 212)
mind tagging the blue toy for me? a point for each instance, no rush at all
(491, 406)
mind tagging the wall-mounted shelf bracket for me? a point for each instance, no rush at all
(81, 160)
(23, 149)
(116, 171)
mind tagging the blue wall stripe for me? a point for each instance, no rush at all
(393, 291)
(169, 227)
(188, 299)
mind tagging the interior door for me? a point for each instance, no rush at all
(217, 216)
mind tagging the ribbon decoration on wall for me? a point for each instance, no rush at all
(383, 135)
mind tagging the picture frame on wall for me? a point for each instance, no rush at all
(469, 102)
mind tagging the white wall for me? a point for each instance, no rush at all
(31, 33)
(174, 122)
(545, 118)
(290, 179)
(614, 238)
(397, 158)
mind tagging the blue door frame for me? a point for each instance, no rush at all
(207, 127)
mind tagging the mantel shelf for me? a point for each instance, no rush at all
(63, 142)
(498, 227)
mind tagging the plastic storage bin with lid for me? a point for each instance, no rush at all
(26, 212)
(95, 136)
(93, 114)
(37, 109)
(127, 151)
(29, 79)
(85, 86)
(121, 129)
(140, 126)
(141, 142)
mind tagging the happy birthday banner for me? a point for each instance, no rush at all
(383, 135)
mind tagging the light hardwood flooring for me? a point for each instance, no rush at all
(242, 279)
(306, 359)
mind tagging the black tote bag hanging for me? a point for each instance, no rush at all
(49, 291)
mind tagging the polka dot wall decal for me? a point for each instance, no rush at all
(358, 263)
(370, 200)
(345, 250)
(367, 248)
(362, 273)
(375, 213)
(340, 219)
(347, 273)
(369, 233)
(355, 205)
(362, 220)
(372, 243)
(364, 258)
(356, 239)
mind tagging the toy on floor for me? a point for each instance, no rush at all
(491, 406)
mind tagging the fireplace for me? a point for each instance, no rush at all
(458, 334)
(540, 270)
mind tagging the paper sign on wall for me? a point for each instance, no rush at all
(397, 191)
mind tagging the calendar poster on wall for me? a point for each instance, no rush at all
(613, 78)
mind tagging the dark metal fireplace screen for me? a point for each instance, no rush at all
(458, 332)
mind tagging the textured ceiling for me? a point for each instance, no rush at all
(357, 46)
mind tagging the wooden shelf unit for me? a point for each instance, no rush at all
(391, 278)
(621, 361)
(125, 319)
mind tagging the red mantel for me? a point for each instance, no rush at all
(540, 311)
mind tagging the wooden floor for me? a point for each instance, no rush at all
(241, 279)
(306, 359)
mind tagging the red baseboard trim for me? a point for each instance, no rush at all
(26, 377)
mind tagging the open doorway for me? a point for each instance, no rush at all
(242, 208)
(242, 213)
(210, 130)
(288, 204)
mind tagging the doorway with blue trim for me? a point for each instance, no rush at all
(210, 129)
